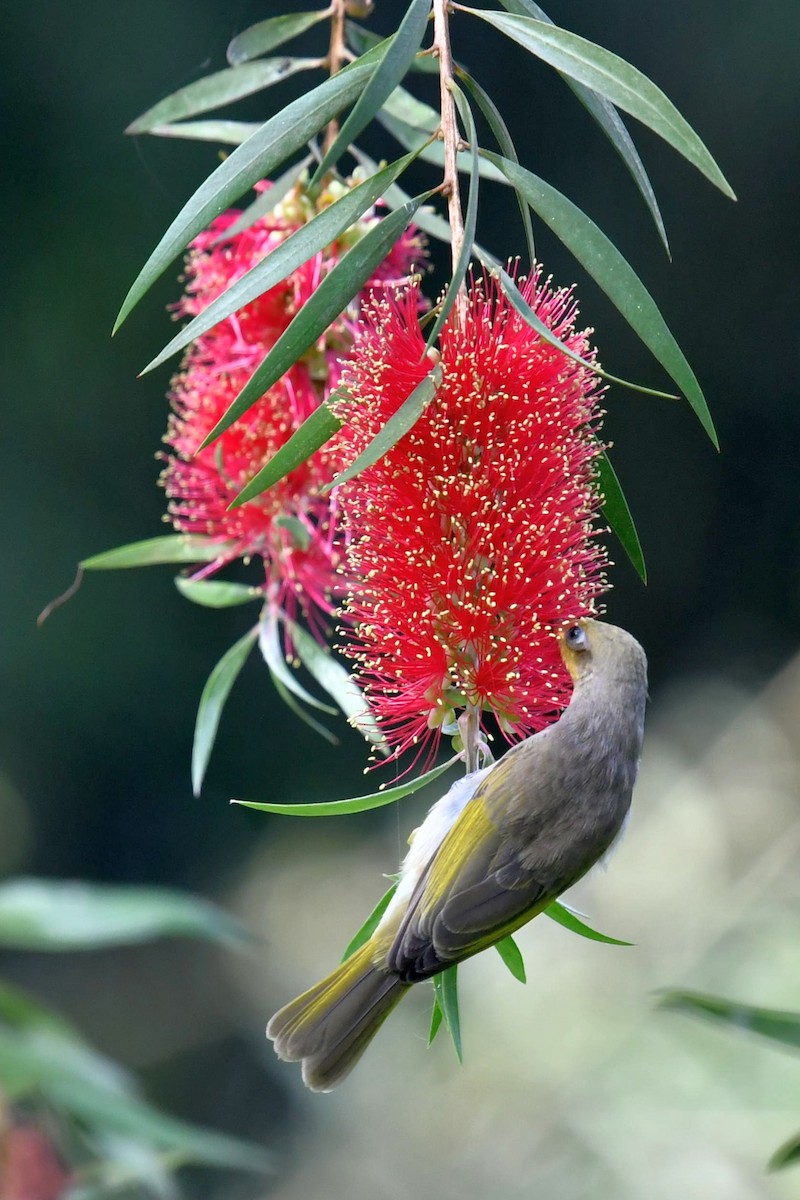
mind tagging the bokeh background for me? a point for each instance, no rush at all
(574, 1086)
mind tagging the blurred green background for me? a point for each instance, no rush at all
(572, 1086)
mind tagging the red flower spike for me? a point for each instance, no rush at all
(290, 527)
(473, 539)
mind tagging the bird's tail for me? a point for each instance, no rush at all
(329, 1026)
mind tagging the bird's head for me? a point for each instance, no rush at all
(591, 647)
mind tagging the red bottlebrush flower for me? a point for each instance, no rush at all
(290, 527)
(472, 539)
(30, 1168)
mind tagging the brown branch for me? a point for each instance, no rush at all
(450, 133)
(337, 54)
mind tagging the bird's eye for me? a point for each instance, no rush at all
(576, 638)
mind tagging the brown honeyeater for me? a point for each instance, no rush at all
(500, 846)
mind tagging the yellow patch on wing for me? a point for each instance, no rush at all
(472, 832)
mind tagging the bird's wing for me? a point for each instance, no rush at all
(484, 880)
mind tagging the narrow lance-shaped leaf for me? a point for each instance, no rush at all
(227, 133)
(269, 643)
(394, 65)
(436, 1020)
(504, 140)
(212, 702)
(433, 152)
(316, 430)
(223, 87)
(618, 514)
(336, 808)
(613, 78)
(445, 986)
(470, 221)
(286, 257)
(361, 40)
(606, 117)
(172, 548)
(46, 914)
(213, 593)
(787, 1155)
(511, 955)
(601, 259)
(371, 924)
(338, 683)
(267, 35)
(778, 1025)
(395, 428)
(319, 311)
(265, 202)
(524, 309)
(296, 707)
(394, 197)
(564, 916)
(275, 141)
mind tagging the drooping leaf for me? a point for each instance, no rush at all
(436, 1020)
(445, 986)
(266, 201)
(524, 309)
(269, 642)
(775, 1024)
(511, 955)
(212, 593)
(338, 683)
(227, 133)
(171, 548)
(618, 514)
(504, 140)
(361, 40)
(403, 46)
(394, 197)
(564, 916)
(275, 141)
(223, 87)
(302, 713)
(371, 924)
(614, 78)
(787, 1155)
(45, 914)
(316, 430)
(212, 702)
(407, 108)
(268, 35)
(332, 296)
(395, 428)
(336, 808)
(606, 117)
(601, 259)
(298, 248)
(433, 152)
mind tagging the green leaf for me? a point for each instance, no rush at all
(613, 78)
(275, 141)
(601, 259)
(411, 111)
(511, 955)
(371, 924)
(216, 594)
(265, 202)
(607, 118)
(775, 1024)
(43, 914)
(223, 87)
(267, 35)
(403, 46)
(322, 308)
(618, 514)
(394, 197)
(336, 808)
(338, 683)
(786, 1155)
(524, 309)
(269, 642)
(361, 40)
(433, 152)
(300, 712)
(564, 916)
(445, 986)
(316, 430)
(395, 428)
(436, 1020)
(504, 140)
(290, 254)
(212, 702)
(172, 548)
(228, 133)
(470, 219)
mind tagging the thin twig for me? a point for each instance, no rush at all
(337, 55)
(450, 134)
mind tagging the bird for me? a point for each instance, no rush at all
(491, 854)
